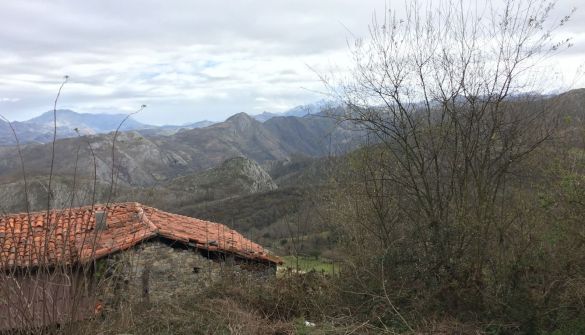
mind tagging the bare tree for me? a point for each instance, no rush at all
(445, 92)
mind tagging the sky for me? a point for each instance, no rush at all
(190, 60)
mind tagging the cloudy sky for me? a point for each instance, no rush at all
(187, 60)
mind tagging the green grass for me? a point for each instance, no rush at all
(307, 264)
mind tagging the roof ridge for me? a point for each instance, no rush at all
(183, 216)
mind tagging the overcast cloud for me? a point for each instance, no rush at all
(188, 60)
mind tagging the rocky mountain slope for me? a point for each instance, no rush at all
(142, 160)
(235, 176)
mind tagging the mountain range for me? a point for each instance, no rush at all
(72, 124)
(147, 159)
(246, 172)
(300, 111)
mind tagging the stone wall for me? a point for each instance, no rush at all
(159, 270)
(166, 270)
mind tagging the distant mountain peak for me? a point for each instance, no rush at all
(59, 111)
(48, 115)
(239, 117)
(299, 111)
(95, 123)
(241, 121)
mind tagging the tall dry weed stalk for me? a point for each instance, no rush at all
(53, 286)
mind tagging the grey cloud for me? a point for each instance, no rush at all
(188, 60)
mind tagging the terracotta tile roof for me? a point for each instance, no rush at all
(218, 236)
(70, 235)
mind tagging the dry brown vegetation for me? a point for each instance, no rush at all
(453, 212)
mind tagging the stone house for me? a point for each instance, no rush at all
(53, 264)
